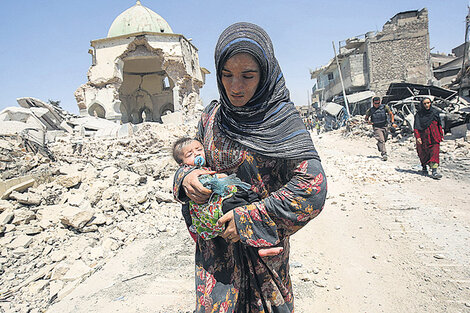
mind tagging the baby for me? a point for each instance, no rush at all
(229, 192)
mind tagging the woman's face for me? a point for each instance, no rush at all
(427, 104)
(240, 77)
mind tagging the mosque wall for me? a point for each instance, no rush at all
(134, 98)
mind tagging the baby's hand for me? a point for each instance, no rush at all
(221, 175)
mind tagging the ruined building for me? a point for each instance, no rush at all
(141, 70)
(399, 53)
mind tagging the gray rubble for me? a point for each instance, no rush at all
(95, 197)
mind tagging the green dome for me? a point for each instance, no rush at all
(138, 19)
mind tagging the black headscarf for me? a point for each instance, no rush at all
(424, 118)
(268, 124)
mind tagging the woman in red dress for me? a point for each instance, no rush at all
(428, 133)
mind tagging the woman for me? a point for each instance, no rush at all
(254, 131)
(428, 133)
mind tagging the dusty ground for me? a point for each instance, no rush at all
(389, 240)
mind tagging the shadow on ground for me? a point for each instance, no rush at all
(410, 171)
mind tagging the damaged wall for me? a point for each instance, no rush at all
(140, 76)
(400, 52)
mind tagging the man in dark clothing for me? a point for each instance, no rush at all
(377, 116)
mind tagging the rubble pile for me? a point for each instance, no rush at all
(357, 126)
(455, 155)
(96, 197)
(16, 161)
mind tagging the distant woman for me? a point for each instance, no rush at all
(428, 133)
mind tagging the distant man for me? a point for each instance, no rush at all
(317, 126)
(379, 120)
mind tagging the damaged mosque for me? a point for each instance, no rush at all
(140, 71)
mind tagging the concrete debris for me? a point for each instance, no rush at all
(68, 181)
(97, 196)
(15, 184)
(404, 98)
(52, 116)
(26, 198)
(62, 218)
(21, 241)
(76, 219)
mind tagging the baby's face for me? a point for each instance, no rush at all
(190, 151)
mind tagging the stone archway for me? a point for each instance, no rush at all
(97, 110)
(167, 109)
(146, 87)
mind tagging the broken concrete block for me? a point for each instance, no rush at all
(23, 216)
(20, 241)
(9, 228)
(77, 199)
(128, 178)
(5, 205)
(50, 214)
(57, 255)
(32, 230)
(6, 216)
(68, 181)
(76, 219)
(109, 172)
(141, 197)
(164, 196)
(89, 228)
(28, 198)
(59, 271)
(110, 244)
(19, 252)
(99, 219)
(15, 184)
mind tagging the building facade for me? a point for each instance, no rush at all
(399, 53)
(140, 71)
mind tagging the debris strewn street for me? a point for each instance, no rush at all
(100, 232)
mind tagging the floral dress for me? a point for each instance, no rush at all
(232, 277)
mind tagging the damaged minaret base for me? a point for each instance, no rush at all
(141, 71)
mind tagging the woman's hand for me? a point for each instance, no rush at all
(193, 187)
(230, 233)
(419, 141)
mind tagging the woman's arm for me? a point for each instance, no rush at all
(186, 185)
(418, 137)
(283, 212)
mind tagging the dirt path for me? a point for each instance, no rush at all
(389, 240)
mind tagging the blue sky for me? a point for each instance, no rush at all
(44, 50)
